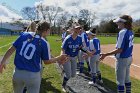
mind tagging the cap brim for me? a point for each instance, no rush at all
(68, 30)
(119, 20)
(89, 32)
(77, 27)
(116, 20)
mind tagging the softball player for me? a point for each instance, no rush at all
(123, 53)
(31, 29)
(63, 36)
(71, 46)
(94, 45)
(29, 53)
(85, 43)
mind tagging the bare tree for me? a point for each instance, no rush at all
(84, 13)
(29, 13)
(49, 12)
(87, 16)
(62, 19)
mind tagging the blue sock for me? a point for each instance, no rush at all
(78, 64)
(25, 89)
(94, 77)
(128, 87)
(81, 67)
(120, 89)
(64, 81)
(99, 75)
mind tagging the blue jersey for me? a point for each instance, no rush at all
(30, 51)
(32, 33)
(125, 42)
(95, 44)
(85, 40)
(71, 46)
(64, 34)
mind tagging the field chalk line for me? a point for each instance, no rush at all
(5, 45)
(131, 64)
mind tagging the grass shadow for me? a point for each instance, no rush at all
(108, 85)
(46, 86)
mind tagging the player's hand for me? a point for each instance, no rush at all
(85, 56)
(63, 58)
(89, 53)
(2, 66)
(102, 56)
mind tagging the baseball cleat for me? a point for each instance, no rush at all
(91, 83)
(100, 81)
(64, 90)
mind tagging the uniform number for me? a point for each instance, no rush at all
(131, 40)
(26, 50)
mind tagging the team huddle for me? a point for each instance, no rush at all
(32, 49)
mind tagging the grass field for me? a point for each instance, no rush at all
(51, 82)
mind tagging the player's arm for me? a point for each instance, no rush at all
(119, 47)
(6, 56)
(60, 59)
(62, 51)
(86, 51)
(47, 56)
(103, 55)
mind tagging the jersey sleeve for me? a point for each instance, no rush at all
(16, 43)
(46, 55)
(81, 43)
(96, 44)
(86, 40)
(82, 36)
(65, 44)
(121, 40)
(91, 45)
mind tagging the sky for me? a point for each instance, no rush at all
(18, 4)
(102, 8)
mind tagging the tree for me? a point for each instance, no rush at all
(18, 23)
(62, 19)
(87, 16)
(108, 27)
(29, 13)
(49, 12)
(84, 23)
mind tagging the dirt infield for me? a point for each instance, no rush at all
(135, 67)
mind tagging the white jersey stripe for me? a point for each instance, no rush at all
(91, 45)
(121, 38)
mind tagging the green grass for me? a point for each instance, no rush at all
(51, 81)
(112, 40)
(109, 79)
(6, 40)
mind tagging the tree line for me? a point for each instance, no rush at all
(58, 18)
